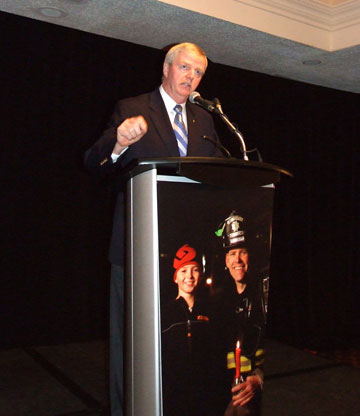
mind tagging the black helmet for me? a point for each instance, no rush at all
(232, 231)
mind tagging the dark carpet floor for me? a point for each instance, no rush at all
(71, 380)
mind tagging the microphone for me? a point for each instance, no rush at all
(196, 98)
(215, 107)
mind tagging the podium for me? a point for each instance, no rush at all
(170, 202)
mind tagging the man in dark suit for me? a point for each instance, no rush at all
(149, 126)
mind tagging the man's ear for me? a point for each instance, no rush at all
(226, 260)
(165, 69)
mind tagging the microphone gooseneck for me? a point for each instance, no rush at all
(215, 106)
(218, 145)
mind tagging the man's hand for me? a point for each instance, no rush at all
(129, 132)
(244, 392)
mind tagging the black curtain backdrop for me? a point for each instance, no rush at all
(58, 88)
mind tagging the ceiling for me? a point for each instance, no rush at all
(274, 37)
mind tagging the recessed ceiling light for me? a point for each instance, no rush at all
(312, 62)
(51, 12)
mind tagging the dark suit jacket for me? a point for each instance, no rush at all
(159, 141)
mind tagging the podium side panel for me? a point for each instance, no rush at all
(142, 359)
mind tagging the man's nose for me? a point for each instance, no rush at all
(239, 258)
(191, 73)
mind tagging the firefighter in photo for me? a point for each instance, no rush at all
(239, 314)
(185, 341)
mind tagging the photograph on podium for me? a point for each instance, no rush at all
(214, 248)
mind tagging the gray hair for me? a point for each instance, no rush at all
(186, 46)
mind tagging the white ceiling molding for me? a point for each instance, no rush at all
(328, 25)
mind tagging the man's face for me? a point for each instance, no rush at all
(183, 76)
(187, 278)
(237, 262)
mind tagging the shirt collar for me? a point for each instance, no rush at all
(169, 102)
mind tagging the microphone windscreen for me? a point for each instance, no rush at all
(193, 96)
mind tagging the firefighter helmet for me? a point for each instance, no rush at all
(233, 231)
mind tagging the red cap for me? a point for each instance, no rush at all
(185, 255)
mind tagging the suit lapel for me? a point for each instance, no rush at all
(162, 124)
(194, 130)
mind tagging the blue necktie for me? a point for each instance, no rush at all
(180, 131)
